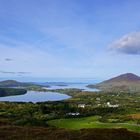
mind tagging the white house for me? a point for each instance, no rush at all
(73, 113)
(98, 99)
(81, 105)
(110, 105)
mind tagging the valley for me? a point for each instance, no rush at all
(94, 110)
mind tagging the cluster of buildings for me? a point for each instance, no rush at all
(108, 104)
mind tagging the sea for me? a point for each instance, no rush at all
(53, 83)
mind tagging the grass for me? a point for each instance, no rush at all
(90, 122)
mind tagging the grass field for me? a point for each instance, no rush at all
(90, 122)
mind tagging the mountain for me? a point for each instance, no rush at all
(13, 83)
(128, 77)
(125, 82)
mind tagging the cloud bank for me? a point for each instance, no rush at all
(8, 59)
(128, 44)
(10, 72)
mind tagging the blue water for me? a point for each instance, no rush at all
(82, 86)
(33, 96)
(50, 79)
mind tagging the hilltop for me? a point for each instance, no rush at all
(124, 82)
(11, 83)
(25, 85)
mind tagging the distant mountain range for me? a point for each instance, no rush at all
(125, 82)
(13, 83)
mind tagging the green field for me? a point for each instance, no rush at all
(90, 122)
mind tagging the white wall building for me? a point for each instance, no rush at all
(110, 105)
(81, 105)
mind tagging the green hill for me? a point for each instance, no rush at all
(126, 82)
(11, 83)
(11, 91)
(25, 85)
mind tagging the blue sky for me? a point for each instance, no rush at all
(69, 38)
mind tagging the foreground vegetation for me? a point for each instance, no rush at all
(41, 133)
(64, 119)
(84, 110)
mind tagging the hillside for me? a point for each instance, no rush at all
(125, 82)
(25, 85)
(11, 91)
(42, 133)
(11, 83)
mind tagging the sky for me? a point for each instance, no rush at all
(69, 38)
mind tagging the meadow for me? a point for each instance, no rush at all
(91, 122)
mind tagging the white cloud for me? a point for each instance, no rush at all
(128, 44)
